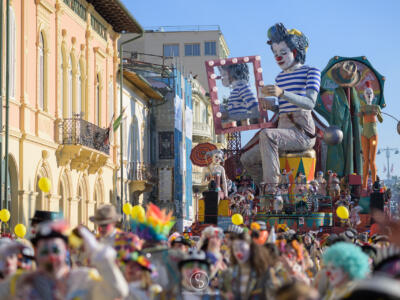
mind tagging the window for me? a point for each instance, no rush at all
(110, 100)
(69, 112)
(98, 99)
(192, 49)
(79, 92)
(41, 71)
(210, 48)
(171, 50)
(12, 48)
(62, 86)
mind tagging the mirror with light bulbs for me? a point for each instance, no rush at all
(234, 88)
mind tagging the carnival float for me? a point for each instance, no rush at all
(311, 165)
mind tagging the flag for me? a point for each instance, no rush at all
(391, 169)
(118, 121)
(106, 140)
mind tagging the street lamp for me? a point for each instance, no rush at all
(387, 151)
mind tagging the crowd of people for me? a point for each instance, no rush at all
(254, 262)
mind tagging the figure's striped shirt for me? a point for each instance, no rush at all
(241, 100)
(297, 82)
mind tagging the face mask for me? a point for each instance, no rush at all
(283, 56)
(241, 251)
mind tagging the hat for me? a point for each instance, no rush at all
(345, 74)
(181, 240)
(232, 228)
(50, 230)
(140, 259)
(105, 214)
(194, 255)
(44, 215)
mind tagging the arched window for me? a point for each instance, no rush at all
(12, 56)
(70, 93)
(98, 116)
(41, 71)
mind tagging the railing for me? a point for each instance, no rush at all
(183, 28)
(141, 172)
(76, 131)
(201, 129)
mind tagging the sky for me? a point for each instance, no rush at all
(341, 27)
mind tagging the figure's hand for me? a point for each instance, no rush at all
(272, 90)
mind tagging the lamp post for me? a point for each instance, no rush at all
(387, 151)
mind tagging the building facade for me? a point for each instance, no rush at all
(187, 47)
(63, 66)
(140, 174)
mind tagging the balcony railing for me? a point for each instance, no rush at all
(76, 131)
(139, 171)
(201, 130)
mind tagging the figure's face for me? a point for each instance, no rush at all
(216, 158)
(241, 251)
(214, 242)
(224, 77)
(368, 95)
(51, 255)
(307, 240)
(283, 56)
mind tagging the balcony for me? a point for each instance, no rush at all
(201, 132)
(83, 145)
(142, 177)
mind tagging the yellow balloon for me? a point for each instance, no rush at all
(342, 212)
(127, 208)
(237, 219)
(44, 184)
(20, 230)
(138, 213)
(5, 215)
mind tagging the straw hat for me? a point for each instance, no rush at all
(346, 74)
(105, 214)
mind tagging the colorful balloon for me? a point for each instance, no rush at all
(5, 215)
(342, 212)
(44, 184)
(20, 230)
(237, 219)
(127, 208)
(138, 213)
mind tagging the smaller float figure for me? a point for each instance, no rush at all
(215, 174)
(313, 197)
(321, 183)
(242, 103)
(369, 136)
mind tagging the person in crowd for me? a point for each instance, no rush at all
(55, 279)
(106, 219)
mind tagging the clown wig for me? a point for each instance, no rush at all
(349, 258)
(237, 72)
(294, 39)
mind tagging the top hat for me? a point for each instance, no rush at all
(43, 215)
(346, 74)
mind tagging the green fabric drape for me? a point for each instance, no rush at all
(346, 157)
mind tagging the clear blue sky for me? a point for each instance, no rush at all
(340, 27)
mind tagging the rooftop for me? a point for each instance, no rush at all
(183, 28)
(116, 14)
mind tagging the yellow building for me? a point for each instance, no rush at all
(63, 94)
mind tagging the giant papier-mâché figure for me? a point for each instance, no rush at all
(296, 88)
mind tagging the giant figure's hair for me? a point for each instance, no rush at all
(237, 72)
(294, 39)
